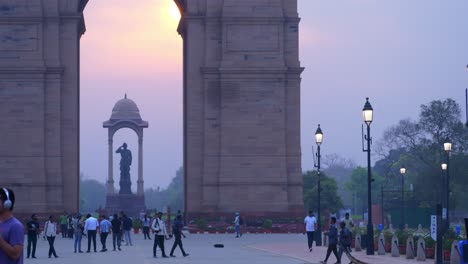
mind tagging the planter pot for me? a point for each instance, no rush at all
(402, 249)
(136, 230)
(446, 254)
(388, 247)
(353, 243)
(430, 253)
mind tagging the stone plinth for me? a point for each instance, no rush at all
(130, 204)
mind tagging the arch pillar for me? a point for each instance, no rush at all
(110, 166)
(140, 182)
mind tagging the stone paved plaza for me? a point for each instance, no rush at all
(251, 248)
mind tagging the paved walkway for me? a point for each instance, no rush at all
(250, 248)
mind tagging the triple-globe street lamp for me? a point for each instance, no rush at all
(318, 141)
(368, 115)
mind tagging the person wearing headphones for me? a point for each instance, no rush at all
(11, 230)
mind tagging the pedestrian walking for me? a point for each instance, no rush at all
(237, 224)
(78, 227)
(345, 240)
(91, 226)
(310, 223)
(64, 224)
(104, 228)
(349, 225)
(159, 228)
(177, 233)
(12, 230)
(127, 227)
(50, 231)
(332, 242)
(33, 232)
(146, 226)
(70, 229)
(116, 231)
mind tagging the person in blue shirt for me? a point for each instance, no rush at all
(104, 228)
(332, 241)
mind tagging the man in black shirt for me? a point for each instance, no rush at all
(33, 231)
(177, 232)
(116, 231)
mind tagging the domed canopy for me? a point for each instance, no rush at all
(125, 110)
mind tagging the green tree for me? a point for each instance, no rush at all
(357, 185)
(419, 146)
(329, 198)
(172, 196)
(340, 169)
(92, 195)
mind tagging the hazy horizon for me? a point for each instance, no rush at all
(399, 53)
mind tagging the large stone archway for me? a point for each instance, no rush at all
(241, 105)
(39, 102)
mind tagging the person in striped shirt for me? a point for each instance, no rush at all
(105, 227)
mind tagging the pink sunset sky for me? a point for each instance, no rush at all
(399, 53)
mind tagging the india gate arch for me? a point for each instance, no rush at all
(241, 86)
(241, 107)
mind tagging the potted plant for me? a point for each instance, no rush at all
(430, 244)
(201, 224)
(449, 237)
(402, 235)
(267, 225)
(388, 240)
(136, 224)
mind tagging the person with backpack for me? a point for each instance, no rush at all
(345, 240)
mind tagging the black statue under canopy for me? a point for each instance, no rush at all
(125, 162)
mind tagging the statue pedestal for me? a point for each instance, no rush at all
(130, 204)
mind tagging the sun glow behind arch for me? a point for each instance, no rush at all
(173, 11)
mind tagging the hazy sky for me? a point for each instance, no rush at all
(399, 53)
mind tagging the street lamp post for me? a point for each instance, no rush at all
(368, 113)
(444, 167)
(318, 141)
(402, 172)
(466, 102)
(447, 149)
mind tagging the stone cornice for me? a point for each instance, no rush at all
(38, 70)
(263, 183)
(252, 70)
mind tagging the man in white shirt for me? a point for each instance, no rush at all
(159, 228)
(91, 226)
(309, 225)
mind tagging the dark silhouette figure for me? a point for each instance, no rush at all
(125, 162)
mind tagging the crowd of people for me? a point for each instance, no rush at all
(338, 241)
(119, 225)
(75, 227)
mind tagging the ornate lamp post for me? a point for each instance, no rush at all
(318, 141)
(444, 167)
(466, 102)
(368, 114)
(402, 172)
(447, 149)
